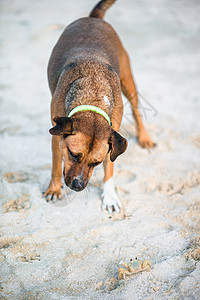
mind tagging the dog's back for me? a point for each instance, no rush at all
(87, 39)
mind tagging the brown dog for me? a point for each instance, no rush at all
(87, 70)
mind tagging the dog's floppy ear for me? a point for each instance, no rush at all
(117, 144)
(64, 125)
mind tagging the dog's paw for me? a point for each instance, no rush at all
(110, 200)
(145, 141)
(52, 196)
(53, 192)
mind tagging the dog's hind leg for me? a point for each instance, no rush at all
(130, 91)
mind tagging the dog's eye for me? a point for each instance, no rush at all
(75, 157)
(94, 164)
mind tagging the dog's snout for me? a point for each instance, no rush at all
(77, 184)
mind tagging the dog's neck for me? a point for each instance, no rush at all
(86, 91)
(93, 108)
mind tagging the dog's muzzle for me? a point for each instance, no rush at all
(77, 184)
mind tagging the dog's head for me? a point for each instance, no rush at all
(84, 144)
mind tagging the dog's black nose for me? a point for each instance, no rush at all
(77, 185)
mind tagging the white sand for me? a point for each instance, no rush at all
(71, 249)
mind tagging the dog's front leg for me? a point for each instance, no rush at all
(110, 200)
(54, 188)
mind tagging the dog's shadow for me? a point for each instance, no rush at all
(96, 182)
(67, 195)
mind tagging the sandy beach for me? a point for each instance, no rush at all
(70, 249)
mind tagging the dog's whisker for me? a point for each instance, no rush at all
(87, 190)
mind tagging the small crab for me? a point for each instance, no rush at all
(134, 267)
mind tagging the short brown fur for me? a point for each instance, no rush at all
(87, 64)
